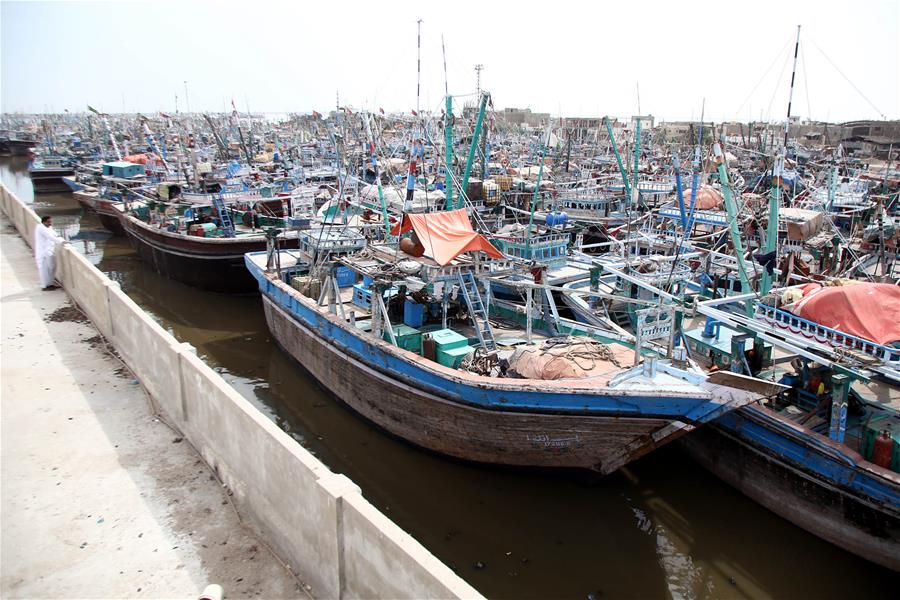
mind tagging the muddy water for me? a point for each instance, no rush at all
(661, 528)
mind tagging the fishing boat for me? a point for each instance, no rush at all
(197, 245)
(47, 173)
(822, 455)
(457, 387)
(104, 188)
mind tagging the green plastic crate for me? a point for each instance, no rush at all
(446, 339)
(452, 357)
(407, 337)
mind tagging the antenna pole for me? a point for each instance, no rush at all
(787, 123)
(419, 65)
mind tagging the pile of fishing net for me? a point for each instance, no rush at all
(564, 358)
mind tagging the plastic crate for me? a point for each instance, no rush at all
(447, 339)
(453, 357)
(413, 313)
(407, 338)
(345, 276)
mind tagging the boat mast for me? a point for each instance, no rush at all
(695, 170)
(537, 190)
(765, 283)
(418, 64)
(112, 138)
(615, 149)
(374, 160)
(472, 147)
(448, 136)
(733, 229)
(679, 192)
(635, 192)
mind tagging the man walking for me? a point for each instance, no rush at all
(45, 241)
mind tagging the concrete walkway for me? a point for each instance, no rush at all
(98, 498)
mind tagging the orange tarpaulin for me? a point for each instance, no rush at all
(445, 235)
(137, 159)
(707, 198)
(867, 310)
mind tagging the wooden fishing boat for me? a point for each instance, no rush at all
(178, 245)
(104, 204)
(816, 483)
(393, 376)
(47, 174)
(809, 455)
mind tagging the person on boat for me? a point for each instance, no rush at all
(45, 241)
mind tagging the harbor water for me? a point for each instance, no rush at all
(662, 527)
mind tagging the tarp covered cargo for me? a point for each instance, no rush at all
(445, 235)
(138, 159)
(707, 198)
(867, 310)
(422, 199)
(802, 224)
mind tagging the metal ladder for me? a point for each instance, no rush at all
(618, 313)
(227, 224)
(478, 311)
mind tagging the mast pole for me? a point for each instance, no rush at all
(448, 136)
(734, 231)
(418, 64)
(787, 122)
(765, 283)
(635, 191)
(695, 170)
(537, 189)
(448, 151)
(374, 160)
(615, 149)
(472, 148)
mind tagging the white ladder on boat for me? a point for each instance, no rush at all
(477, 309)
(227, 224)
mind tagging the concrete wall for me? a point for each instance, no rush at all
(316, 520)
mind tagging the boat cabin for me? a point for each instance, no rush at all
(122, 169)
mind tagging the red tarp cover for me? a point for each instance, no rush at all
(445, 235)
(867, 310)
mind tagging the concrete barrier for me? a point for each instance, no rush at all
(141, 342)
(21, 215)
(317, 521)
(89, 287)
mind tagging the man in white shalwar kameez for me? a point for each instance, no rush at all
(45, 242)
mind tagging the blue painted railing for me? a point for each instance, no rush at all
(827, 335)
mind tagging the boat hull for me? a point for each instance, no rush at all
(20, 147)
(106, 212)
(73, 185)
(505, 437)
(216, 265)
(48, 181)
(829, 494)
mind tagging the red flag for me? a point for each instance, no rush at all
(415, 114)
(381, 110)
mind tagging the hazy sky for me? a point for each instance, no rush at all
(575, 58)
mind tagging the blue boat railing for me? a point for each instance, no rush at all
(827, 335)
(704, 217)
